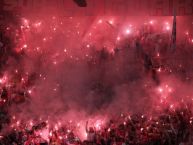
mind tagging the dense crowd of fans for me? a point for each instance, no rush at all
(171, 127)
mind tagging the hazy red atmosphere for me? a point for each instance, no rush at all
(96, 72)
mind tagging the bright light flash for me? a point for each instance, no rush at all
(25, 46)
(118, 38)
(128, 31)
(88, 46)
(111, 22)
(167, 28)
(151, 22)
(100, 21)
(160, 90)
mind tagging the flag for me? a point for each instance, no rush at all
(173, 37)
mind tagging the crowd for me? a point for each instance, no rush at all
(151, 50)
(170, 127)
(173, 126)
